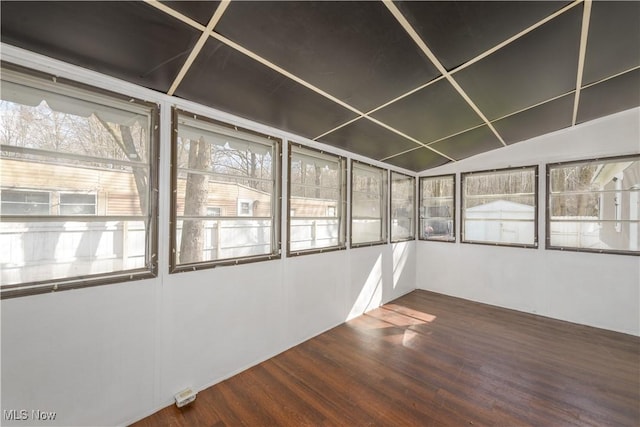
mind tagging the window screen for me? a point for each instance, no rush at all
(437, 208)
(368, 204)
(403, 188)
(78, 185)
(316, 201)
(594, 205)
(225, 194)
(500, 207)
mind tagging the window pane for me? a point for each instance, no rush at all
(24, 202)
(368, 204)
(77, 204)
(77, 210)
(12, 196)
(77, 199)
(402, 206)
(68, 151)
(437, 208)
(316, 200)
(40, 251)
(594, 205)
(223, 239)
(229, 174)
(500, 207)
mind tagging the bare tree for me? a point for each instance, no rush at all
(196, 195)
(571, 181)
(243, 163)
(123, 138)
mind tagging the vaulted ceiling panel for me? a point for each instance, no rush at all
(355, 51)
(610, 96)
(434, 112)
(224, 78)
(368, 139)
(614, 39)
(128, 40)
(459, 31)
(418, 159)
(545, 118)
(539, 66)
(311, 67)
(468, 144)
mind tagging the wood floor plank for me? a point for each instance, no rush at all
(431, 360)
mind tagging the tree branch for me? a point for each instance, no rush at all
(113, 135)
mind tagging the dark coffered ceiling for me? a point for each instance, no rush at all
(414, 84)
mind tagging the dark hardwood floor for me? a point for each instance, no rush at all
(432, 360)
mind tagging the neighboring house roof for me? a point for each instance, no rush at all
(608, 171)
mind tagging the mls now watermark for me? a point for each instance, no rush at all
(28, 415)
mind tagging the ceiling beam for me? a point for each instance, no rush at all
(199, 44)
(611, 77)
(515, 37)
(404, 95)
(210, 32)
(425, 49)
(397, 132)
(586, 17)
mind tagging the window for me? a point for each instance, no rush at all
(594, 205)
(79, 173)
(500, 207)
(77, 204)
(213, 211)
(403, 189)
(316, 201)
(22, 202)
(437, 208)
(234, 170)
(245, 207)
(368, 204)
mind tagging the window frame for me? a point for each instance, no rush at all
(341, 208)
(413, 209)
(150, 270)
(548, 245)
(453, 214)
(384, 209)
(276, 243)
(536, 195)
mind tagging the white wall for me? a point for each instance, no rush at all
(110, 355)
(592, 289)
